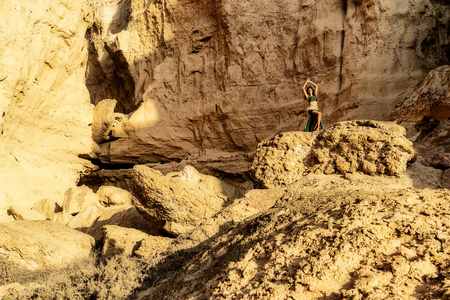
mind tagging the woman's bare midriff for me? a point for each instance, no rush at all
(313, 104)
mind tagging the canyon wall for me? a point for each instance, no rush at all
(44, 103)
(200, 82)
(207, 80)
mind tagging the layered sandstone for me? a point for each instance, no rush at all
(208, 80)
(45, 110)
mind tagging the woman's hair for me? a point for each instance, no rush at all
(313, 91)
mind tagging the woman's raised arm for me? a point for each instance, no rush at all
(317, 88)
(304, 89)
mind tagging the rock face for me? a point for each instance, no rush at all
(428, 110)
(431, 99)
(198, 80)
(103, 120)
(211, 79)
(172, 205)
(43, 244)
(44, 104)
(370, 147)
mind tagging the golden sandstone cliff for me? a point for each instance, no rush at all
(91, 90)
(199, 80)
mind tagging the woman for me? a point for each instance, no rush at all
(315, 116)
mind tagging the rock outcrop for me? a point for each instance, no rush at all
(45, 110)
(209, 80)
(430, 99)
(342, 242)
(370, 147)
(427, 113)
(172, 205)
(43, 244)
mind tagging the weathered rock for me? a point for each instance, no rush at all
(103, 120)
(440, 110)
(445, 179)
(429, 100)
(441, 161)
(120, 241)
(152, 246)
(216, 186)
(62, 218)
(86, 218)
(280, 161)
(37, 244)
(171, 205)
(370, 147)
(45, 108)
(315, 240)
(128, 241)
(48, 208)
(124, 216)
(76, 199)
(23, 213)
(216, 78)
(110, 196)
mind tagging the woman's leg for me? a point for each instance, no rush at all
(318, 118)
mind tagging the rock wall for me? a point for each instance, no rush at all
(44, 103)
(212, 79)
(203, 80)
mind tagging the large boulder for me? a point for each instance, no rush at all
(281, 160)
(43, 244)
(370, 147)
(77, 199)
(129, 241)
(111, 195)
(125, 216)
(172, 205)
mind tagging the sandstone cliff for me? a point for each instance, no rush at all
(44, 103)
(202, 80)
(209, 79)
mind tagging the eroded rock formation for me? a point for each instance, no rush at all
(214, 78)
(174, 205)
(370, 147)
(341, 241)
(44, 104)
(43, 244)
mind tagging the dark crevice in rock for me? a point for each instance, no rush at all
(114, 82)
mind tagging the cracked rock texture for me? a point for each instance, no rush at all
(208, 80)
(369, 147)
(333, 240)
(174, 205)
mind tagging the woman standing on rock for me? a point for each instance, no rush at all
(315, 116)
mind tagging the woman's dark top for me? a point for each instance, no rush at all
(312, 99)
